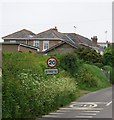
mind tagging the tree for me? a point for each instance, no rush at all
(108, 56)
(89, 55)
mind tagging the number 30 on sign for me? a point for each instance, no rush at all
(52, 62)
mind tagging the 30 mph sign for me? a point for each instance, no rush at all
(52, 62)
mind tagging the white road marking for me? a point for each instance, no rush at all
(92, 111)
(50, 116)
(84, 116)
(84, 105)
(109, 103)
(87, 114)
(74, 108)
(62, 111)
(56, 113)
(90, 102)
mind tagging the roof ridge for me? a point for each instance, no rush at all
(43, 32)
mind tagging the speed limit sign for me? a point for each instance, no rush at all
(52, 62)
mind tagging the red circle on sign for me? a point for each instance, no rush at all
(52, 62)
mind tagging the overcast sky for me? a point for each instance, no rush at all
(91, 18)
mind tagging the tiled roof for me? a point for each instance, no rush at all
(72, 38)
(47, 34)
(78, 39)
(21, 34)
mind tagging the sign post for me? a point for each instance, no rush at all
(51, 62)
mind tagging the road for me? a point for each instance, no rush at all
(94, 105)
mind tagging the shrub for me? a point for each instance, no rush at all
(89, 55)
(70, 63)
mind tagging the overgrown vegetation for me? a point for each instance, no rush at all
(108, 61)
(90, 76)
(89, 55)
(70, 63)
(28, 92)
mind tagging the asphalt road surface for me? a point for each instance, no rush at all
(95, 105)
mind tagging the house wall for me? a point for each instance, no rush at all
(41, 45)
(31, 42)
(51, 43)
(17, 48)
(25, 49)
(9, 48)
(65, 48)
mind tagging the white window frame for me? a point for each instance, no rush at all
(12, 41)
(36, 43)
(45, 45)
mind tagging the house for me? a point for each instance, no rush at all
(54, 41)
(51, 41)
(104, 44)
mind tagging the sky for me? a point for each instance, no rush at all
(90, 17)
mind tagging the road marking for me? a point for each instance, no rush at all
(62, 111)
(81, 108)
(90, 102)
(55, 113)
(87, 114)
(109, 103)
(84, 116)
(85, 105)
(92, 111)
(50, 116)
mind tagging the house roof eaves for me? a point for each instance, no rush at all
(29, 46)
(33, 39)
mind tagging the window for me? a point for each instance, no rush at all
(12, 41)
(36, 43)
(45, 45)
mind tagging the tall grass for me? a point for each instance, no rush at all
(91, 77)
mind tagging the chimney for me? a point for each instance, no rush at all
(94, 39)
(55, 28)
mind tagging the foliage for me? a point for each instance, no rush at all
(89, 55)
(28, 92)
(70, 63)
(90, 76)
(108, 56)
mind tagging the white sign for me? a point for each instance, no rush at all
(52, 62)
(51, 71)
